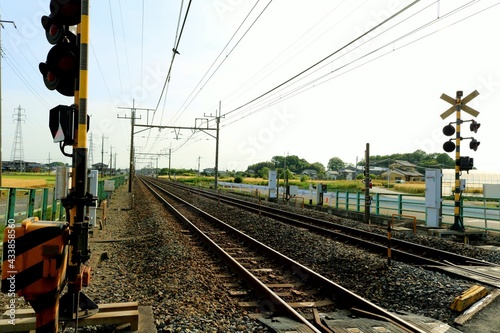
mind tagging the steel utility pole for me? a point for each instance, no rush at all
(216, 169)
(102, 156)
(198, 126)
(132, 125)
(1, 55)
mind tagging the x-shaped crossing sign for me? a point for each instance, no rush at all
(460, 103)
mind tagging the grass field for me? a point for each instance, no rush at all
(27, 180)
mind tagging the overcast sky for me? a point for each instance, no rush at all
(305, 78)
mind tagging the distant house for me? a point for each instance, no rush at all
(348, 173)
(402, 171)
(313, 174)
(209, 171)
(100, 167)
(34, 167)
(332, 175)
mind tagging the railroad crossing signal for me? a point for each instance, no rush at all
(462, 163)
(460, 103)
(60, 71)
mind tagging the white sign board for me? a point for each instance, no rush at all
(491, 191)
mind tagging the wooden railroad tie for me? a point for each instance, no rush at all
(109, 314)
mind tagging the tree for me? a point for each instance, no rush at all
(335, 163)
(319, 167)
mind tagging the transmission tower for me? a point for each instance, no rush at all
(17, 156)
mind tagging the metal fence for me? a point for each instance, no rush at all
(21, 203)
(477, 212)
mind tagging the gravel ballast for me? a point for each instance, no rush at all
(157, 264)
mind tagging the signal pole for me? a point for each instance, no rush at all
(368, 200)
(461, 163)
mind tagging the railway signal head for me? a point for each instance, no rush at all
(474, 144)
(474, 126)
(61, 68)
(448, 130)
(449, 146)
(466, 163)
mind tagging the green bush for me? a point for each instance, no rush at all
(238, 180)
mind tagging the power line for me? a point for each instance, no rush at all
(325, 58)
(116, 49)
(175, 51)
(218, 56)
(309, 85)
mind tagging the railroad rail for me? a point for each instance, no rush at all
(401, 250)
(286, 287)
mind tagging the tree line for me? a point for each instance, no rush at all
(297, 165)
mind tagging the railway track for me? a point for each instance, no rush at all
(401, 250)
(298, 295)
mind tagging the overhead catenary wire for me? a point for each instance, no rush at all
(218, 57)
(325, 58)
(116, 49)
(221, 52)
(174, 52)
(314, 83)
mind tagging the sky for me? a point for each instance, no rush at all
(316, 79)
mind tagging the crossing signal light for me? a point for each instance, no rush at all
(474, 126)
(61, 68)
(474, 144)
(448, 130)
(449, 146)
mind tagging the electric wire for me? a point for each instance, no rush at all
(213, 63)
(317, 82)
(310, 85)
(174, 52)
(173, 49)
(325, 58)
(175, 118)
(116, 49)
(14, 59)
(342, 55)
(125, 44)
(101, 72)
(287, 50)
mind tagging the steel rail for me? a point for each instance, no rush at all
(426, 255)
(348, 298)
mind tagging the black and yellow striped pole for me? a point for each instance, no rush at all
(458, 104)
(78, 246)
(457, 220)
